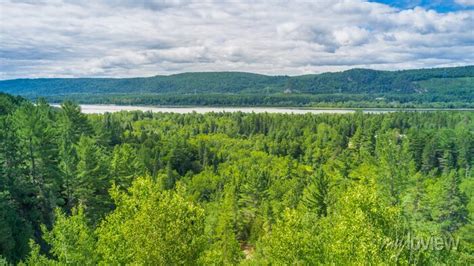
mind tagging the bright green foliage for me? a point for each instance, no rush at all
(71, 240)
(292, 240)
(124, 166)
(316, 195)
(235, 188)
(225, 249)
(36, 258)
(150, 226)
(354, 229)
(450, 212)
(3, 261)
(395, 164)
(360, 221)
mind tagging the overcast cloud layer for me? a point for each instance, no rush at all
(118, 38)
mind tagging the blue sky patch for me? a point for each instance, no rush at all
(438, 5)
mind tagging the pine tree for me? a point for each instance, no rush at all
(15, 231)
(316, 195)
(395, 163)
(429, 161)
(72, 125)
(452, 204)
(37, 137)
(91, 183)
(225, 249)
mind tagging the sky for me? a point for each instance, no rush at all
(120, 38)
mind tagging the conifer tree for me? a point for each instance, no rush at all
(91, 183)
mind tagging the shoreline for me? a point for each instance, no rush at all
(104, 108)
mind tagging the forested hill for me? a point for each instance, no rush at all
(455, 85)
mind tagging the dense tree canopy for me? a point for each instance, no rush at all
(230, 188)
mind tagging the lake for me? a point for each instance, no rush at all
(110, 108)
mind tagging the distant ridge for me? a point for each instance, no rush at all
(453, 84)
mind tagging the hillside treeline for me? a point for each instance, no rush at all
(438, 87)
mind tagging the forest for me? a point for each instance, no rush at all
(148, 188)
(438, 87)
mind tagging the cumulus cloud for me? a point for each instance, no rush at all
(120, 38)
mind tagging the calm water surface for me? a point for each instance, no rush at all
(110, 108)
(104, 108)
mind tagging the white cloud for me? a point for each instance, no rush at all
(140, 38)
(465, 2)
(351, 36)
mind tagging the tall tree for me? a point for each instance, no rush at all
(225, 249)
(72, 125)
(316, 195)
(125, 166)
(451, 203)
(37, 138)
(91, 183)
